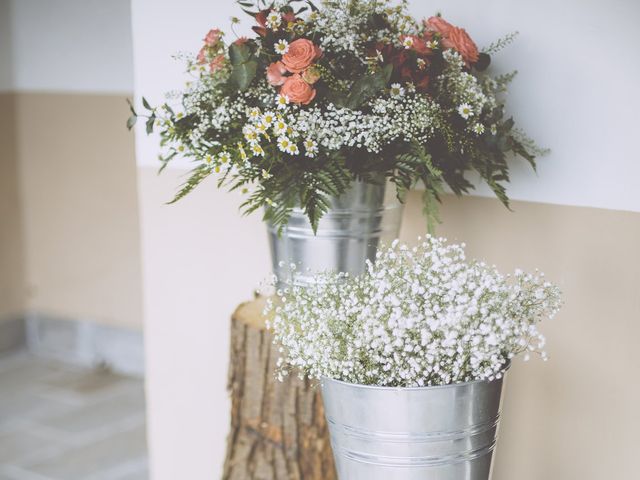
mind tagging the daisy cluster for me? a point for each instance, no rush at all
(420, 316)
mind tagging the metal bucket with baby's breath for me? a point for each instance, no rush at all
(421, 433)
(359, 220)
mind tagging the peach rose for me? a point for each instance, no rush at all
(217, 63)
(275, 74)
(459, 40)
(297, 90)
(311, 75)
(439, 25)
(301, 54)
(202, 55)
(213, 37)
(241, 41)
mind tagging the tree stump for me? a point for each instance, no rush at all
(278, 429)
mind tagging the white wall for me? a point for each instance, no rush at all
(6, 79)
(69, 45)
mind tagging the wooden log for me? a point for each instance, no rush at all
(278, 429)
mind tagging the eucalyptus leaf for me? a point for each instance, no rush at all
(131, 121)
(242, 75)
(239, 54)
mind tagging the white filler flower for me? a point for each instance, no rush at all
(418, 317)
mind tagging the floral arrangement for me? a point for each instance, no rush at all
(353, 89)
(419, 316)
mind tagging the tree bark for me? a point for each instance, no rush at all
(278, 429)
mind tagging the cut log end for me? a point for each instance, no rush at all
(278, 430)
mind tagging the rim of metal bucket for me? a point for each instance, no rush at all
(432, 387)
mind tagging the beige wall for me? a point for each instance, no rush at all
(79, 207)
(576, 416)
(12, 286)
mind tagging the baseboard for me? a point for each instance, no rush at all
(86, 343)
(13, 333)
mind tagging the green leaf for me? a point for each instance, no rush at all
(242, 75)
(239, 54)
(150, 122)
(133, 111)
(146, 104)
(198, 174)
(131, 121)
(366, 87)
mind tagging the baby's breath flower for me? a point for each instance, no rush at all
(417, 317)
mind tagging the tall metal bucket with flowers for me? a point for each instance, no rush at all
(411, 357)
(358, 221)
(438, 433)
(323, 96)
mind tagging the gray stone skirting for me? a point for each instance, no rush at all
(78, 342)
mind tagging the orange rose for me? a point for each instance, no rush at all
(297, 90)
(301, 54)
(275, 74)
(217, 63)
(459, 40)
(213, 37)
(439, 25)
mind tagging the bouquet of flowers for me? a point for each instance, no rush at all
(352, 89)
(421, 316)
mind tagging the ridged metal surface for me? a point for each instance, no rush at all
(431, 433)
(360, 220)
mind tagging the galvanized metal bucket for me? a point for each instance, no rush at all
(358, 221)
(430, 433)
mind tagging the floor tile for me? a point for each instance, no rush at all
(89, 460)
(97, 415)
(61, 422)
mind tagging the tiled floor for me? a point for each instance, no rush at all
(59, 422)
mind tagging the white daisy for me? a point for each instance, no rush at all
(478, 128)
(396, 90)
(293, 149)
(254, 113)
(273, 20)
(224, 157)
(250, 134)
(465, 111)
(282, 101)
(268, 118)
(257, 150)
(280, 127)
(310, 147)
(281, 47)
(407, 42)
(283, 144)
